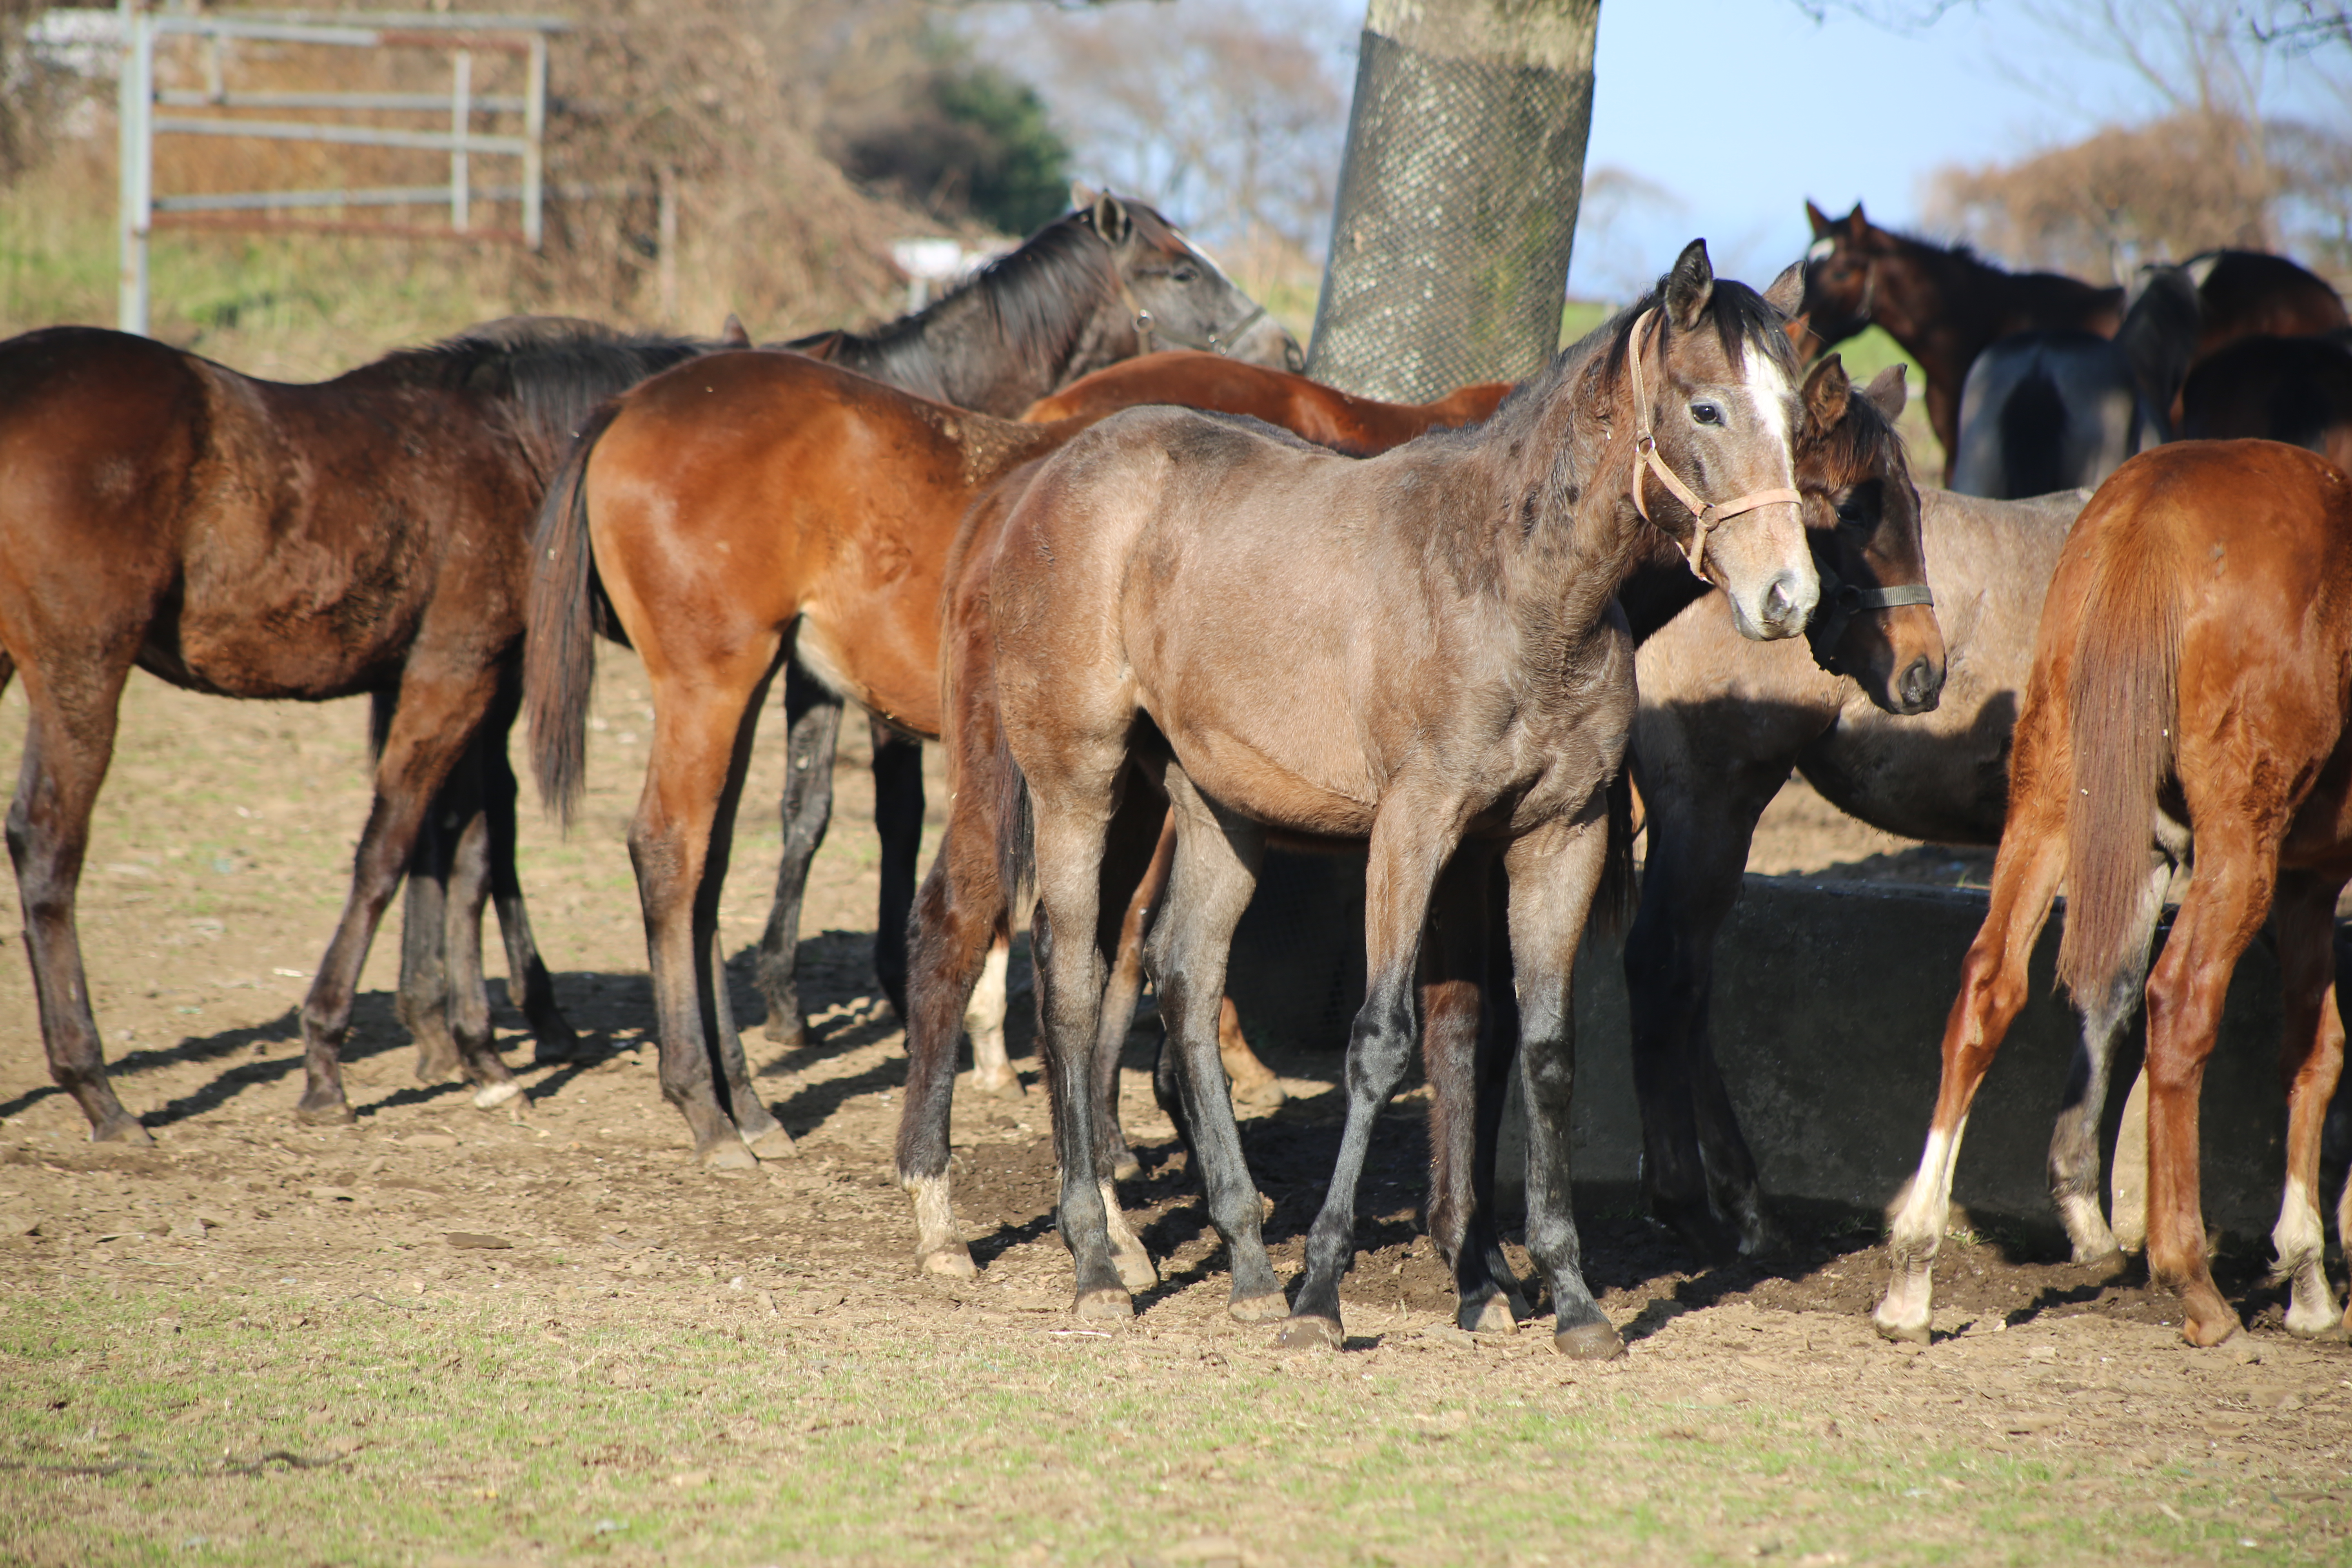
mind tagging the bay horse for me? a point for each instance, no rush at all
(2192, 684)
(1721, 727)
(2061, 409)
(253, 539)
(744, 512)
(2252, 293)
(1108, 280)
(2297, 390)
(1417, 650)
(1943, 304)
(1878, 620)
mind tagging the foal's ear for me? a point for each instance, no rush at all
(1785, 293)
(1082, 195)
(1689, 286)
(1887, 391)
(1826, 391)
(1855, 224)
(1821, 221)
(732, 335)
(1108, 214)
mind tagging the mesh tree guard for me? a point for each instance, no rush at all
(1456, 211)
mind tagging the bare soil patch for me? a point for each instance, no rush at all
(169, 1314)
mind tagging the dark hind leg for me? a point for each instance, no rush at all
(443, 1000)
(1453, 962)
(814, 715)
(1216, 870)
(2074, 1139)
(899, 819)
(2311, 1062)
(1137, 852)
(529, 986)
(67, 743)
(436, 719)
(754, 1122)
(423, 1000)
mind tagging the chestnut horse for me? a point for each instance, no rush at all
(2192, 680)
(1101, 283)
(1359, 426)
(810, 523)
(1877, 621)
(252, 539)
(1943, 305)
(1419, 651)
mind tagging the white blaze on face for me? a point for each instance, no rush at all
(1769, 388)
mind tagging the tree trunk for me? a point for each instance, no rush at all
(1458, 197)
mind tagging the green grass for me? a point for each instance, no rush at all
(460, 1430)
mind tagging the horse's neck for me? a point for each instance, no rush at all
(1942, 307)
(954, 351)
(1569, 537)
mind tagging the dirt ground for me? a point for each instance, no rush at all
(216, 872)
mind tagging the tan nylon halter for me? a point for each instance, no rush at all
(1706, 516)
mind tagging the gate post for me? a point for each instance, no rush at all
(134, 101)
(1457, 200)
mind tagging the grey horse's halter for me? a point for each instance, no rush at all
(1706, 516)
(1148, 327)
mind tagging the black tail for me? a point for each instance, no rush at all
(1614, 900)
(559, 648)
(2033, 434)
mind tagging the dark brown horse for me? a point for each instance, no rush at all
(1358, 426)
(1100, 284)
(1943, 305)
(2191, 685)
(1418, 650)
(749, 508)
(252, 539)
(2251, 293)
(2297, 390)
(1862, 528)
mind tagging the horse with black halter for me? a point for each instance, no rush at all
(253, 539)
(1418, 651)
(1105, 283)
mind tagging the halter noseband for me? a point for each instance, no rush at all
(1706, 516)
(1147, 327)
(1841, 601)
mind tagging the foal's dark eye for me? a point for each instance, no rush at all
(1706, 413)
(1852, 514)
(1186, 274)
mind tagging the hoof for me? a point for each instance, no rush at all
(1898, 1332)
(2327, 1330)
(2104, 1263)
(1135, 1270)
(1270, 1307)
(787, 1029)
(1105, 1306)
(555, 1050)
(1125, 1166)
(1590, 1341)
(490, 1096)
(775, 1143)
(324, 1112)
(1491, 1316)
(951, 1262)
(726, 1154)
(120, 1128)
(2207, 1333)
(1008, 1088)
(1309, 1333)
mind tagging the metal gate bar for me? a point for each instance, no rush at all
(144, 211)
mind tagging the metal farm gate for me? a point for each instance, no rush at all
(222, 106)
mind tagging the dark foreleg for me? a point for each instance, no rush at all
(899, 819)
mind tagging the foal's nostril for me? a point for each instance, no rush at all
(1920, 684)
(1778, 603)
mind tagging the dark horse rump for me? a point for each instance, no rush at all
(256, 539)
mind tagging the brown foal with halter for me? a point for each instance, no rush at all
(1418, 651)
(2192, 680)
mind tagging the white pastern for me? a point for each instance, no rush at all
(1128, 1253)
(984, 1021)
(1917, 1228)
(2300, 1242)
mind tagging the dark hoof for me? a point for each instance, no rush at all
(324, 1110)
(554, 1048)
(121, 1128)
(1105, 1305)
(1309, 1333)
(1590, 1341)
(726, 1154)
(1272, 1307)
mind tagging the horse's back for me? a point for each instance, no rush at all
(2247, 293)
(2293, 389)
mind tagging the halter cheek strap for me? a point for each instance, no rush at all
(1148, 327)
(1706, 516)
(1840, 601)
